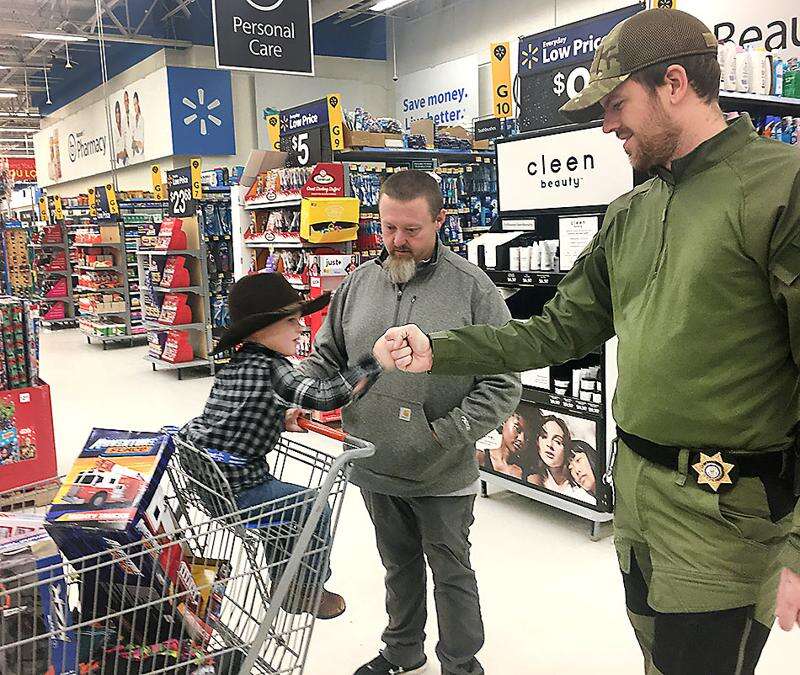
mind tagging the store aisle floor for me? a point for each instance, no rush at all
(552, 599)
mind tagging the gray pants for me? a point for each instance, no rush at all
(407, 531)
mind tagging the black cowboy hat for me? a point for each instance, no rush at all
(258, 300)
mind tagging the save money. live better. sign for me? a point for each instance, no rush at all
(264, 35)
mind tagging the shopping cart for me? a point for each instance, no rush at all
(228, 591)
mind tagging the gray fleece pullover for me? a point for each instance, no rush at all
(424, 427)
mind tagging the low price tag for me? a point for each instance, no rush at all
(304, 147)
(179, 193)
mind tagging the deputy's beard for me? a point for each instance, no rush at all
(400, 268)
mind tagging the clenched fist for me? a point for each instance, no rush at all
(411, 349)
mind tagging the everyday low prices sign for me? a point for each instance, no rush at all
(446, 94)
(273, 36)
(554, 66)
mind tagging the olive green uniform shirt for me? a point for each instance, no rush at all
(697, 272)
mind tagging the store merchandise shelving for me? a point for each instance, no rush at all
(17, 259)
(100, 248)
(577, 392)
(211, 271)
(52, 269)
(468, 182)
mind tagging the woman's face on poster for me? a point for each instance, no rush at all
(551, 445)
(581, 471)
(514, 434)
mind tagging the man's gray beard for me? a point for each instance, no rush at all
(400, 269)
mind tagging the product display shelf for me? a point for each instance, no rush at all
(532, 278)
(732, 98)
(54, 288)
(118, 325)
(468, 182)
(17, 258)
(214, 221)
(571, 399)
(272, 204)
(199, 333)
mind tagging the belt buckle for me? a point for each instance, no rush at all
(716, 473)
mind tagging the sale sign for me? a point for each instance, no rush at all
(554, 66)
(23, 169)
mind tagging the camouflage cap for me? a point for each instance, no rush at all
(649, 37)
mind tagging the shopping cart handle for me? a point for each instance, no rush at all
(359, 447)
(316, 427)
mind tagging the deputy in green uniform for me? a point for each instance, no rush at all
(697, 271)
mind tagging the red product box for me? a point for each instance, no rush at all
(56, 311)
(58, 263)
(177, 348)
(53, 235)
(171, 236)
(174, 310)
(59, 289)
(27, 442)
(175, 274)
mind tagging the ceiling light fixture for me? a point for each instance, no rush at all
(56, 36)
(8, 94)
(47, 86)
(385, 5)
(28, 130)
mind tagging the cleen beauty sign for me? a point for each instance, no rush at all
(264, 35)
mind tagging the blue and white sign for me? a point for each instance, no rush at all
(201, 108)
(446, 94)
(568, 44)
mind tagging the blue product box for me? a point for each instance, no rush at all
(37, 602)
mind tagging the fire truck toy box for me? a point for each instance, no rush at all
(27, 445)
(111, 484)
(36, 601)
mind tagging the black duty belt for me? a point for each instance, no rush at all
(715, 470)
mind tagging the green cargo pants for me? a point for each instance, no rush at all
(697, 552)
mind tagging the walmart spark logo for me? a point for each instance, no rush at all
(202, 111)
(530, 56)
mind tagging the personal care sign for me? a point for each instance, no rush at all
(264, 35)
(563, 170)
(446, 94)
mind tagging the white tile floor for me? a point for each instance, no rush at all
(552, 600)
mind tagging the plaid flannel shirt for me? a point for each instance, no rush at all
(244, 415)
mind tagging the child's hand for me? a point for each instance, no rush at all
(382, 351)
(290, 420)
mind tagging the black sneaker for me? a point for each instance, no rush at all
(380, 666)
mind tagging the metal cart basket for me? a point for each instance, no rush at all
(221, 591)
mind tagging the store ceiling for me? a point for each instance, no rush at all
(29, 64)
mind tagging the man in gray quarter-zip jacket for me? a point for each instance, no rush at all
(420, 485)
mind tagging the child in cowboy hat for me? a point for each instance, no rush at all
(244, 415)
